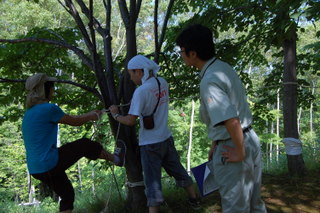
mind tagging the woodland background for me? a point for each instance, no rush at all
(86, 44)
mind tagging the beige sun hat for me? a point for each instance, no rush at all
(35, 86)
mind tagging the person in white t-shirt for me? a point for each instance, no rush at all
(156, 143)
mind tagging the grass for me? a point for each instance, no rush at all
(280, 192)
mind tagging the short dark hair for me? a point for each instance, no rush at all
(47, 86)
(197, 38)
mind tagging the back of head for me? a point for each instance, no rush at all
(35, 85)
(197, 38)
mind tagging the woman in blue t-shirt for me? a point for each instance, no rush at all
(46, 162)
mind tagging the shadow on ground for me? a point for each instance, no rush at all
(280, 193)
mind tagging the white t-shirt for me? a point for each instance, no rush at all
(143, 102)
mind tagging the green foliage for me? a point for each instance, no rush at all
(310, 139)
(25, 15)
(13, 169)
(28, 58)
(184, 81)
(47, 205)
(32, 57)
(179, 123)
(106, 194)
(275, 165)
(313, 11)
(248, 35)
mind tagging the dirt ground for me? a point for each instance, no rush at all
(285, 194)
(280, 193)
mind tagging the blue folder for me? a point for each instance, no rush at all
(204, 179)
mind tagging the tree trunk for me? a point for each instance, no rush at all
(299, 119)
(31, 188)
(295, 162)
(271, 144)
(105, 78)
(311, 108)
(190, 138)
(278, 123)
(136, 199)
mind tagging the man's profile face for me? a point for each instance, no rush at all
(187, 58)
(136, 75)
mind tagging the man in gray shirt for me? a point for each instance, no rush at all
(235, 150)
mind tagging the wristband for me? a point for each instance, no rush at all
(115, 116)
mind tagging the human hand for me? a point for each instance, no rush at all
(233, 154)
(96, 114)
(114, 109)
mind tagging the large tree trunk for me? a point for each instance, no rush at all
(295, 162)
(136, 199)
(190, 137)
(278, 123)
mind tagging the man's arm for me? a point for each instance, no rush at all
(78, 120)
(236, 154)
(128, 120)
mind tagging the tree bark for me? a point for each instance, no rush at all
(159, 41)
(295, 162)
(136, 199)
(278, 123)
(311, 108)
(190, 138)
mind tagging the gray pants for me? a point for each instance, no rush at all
(240, 183)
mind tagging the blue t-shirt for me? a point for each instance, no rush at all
(40, 130)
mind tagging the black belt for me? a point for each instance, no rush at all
(247, 129)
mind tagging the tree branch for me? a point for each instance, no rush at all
(134, 8)
(84, 87)
(64, 6)
(85, 10)
(165, 23)
(107, 6)
(62, 44)
(139, 2)
(124, 12)
(74, 13)
(156, 34)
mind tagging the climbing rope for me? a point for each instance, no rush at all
(134, 184)
(95, 125)
(128, 183)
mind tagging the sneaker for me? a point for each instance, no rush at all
(120, 151)
(194, 203)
